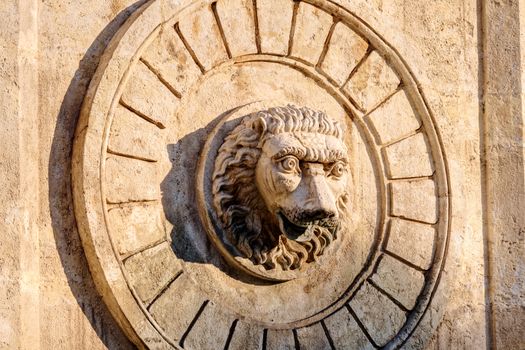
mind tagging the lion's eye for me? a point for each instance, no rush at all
(338, 169)
(289, 164)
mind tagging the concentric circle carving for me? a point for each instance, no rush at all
(173, 152)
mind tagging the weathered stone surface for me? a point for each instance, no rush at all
(151, 270)
(280, 340)
(372, 83)
(136, 226)
(345, 332)
(168, 56)
(395, 111)
(381, 318)
(414, 199)
(313, 337)
(238, 23)
(345, 50)
(210, 330)
(503, 127)
(413, 241)
(312, 26)
(132, 135)
(246, 336)
(132, 180)
(275, 23)
(202, 33)
(400, 281)
(183, 296)
(271, 183)
(146, 95)
(469, 95)
(409, 158)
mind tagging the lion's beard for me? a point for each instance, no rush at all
(258, 237)
(289, 254)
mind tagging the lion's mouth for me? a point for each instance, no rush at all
(292, 230)
(299, 231)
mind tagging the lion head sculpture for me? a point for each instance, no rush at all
(279, 186)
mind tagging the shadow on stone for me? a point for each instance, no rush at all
(180, 203)
(65, 231)
(190, 242)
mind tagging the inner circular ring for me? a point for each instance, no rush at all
(377, 166)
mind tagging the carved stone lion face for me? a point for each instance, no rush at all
(300, 177)
(279, 186)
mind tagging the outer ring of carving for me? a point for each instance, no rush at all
(88, 167)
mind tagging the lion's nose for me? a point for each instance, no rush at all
(320, 201)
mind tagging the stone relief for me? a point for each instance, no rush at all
(305, 205)
(279, 186)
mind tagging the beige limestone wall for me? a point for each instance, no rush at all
(19, 101)
(72, 36)
(463, 54)
(11, 242)
(503, 170)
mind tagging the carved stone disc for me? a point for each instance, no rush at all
(259, 174)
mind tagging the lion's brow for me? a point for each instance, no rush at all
(309, 154)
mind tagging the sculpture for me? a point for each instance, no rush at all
(280, 186)
(196, 246)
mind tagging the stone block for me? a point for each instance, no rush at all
(275, 23)
(412, 241)
(414, 199)
(130, 180)
(168, 56)
(345, 332)
(312, 26)
(246, 336)
(201, 31)
(381, 317)
(134, 136)
(313, 338)
(372, 82)
(136, 226)
(345, 50)
(148, 96)
(151, 270)
(210, 330)
(409, 158)
(399, 280)
(280, 339)
(238, 24)
(394, 119)
(178, 306)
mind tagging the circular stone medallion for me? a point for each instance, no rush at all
(259, 174)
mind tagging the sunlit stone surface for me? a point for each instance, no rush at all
(262, 174)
